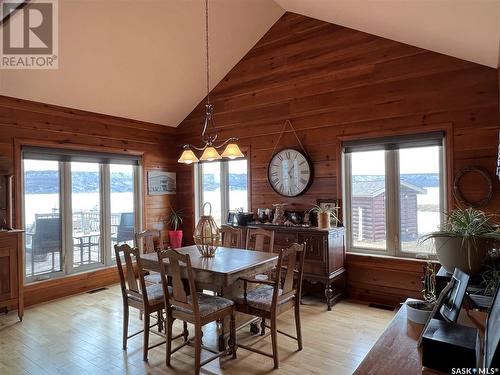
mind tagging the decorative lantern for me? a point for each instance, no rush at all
(207, 234)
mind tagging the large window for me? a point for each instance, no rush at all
(224, 185)
(394, 193)
(76, 207)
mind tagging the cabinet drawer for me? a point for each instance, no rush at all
(284, 239)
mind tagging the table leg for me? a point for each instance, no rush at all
(242, 320)
(329, 296)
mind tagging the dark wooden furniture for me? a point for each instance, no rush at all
(147, 239)
(148, 299)
(325, 254)
(260, 240)
(150, 239)
(5, 196)
(221, 274)
(196, 308)
(396, 351)
(276, 297)
(11, 271)
(231, 237)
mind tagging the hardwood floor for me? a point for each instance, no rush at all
(82, 334)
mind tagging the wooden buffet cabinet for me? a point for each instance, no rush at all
(11, 271)
(325, 255)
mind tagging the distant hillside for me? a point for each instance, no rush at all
(422, 180)
(47, 182)
(237, 181)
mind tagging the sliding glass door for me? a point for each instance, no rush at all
(76, 211)
(86, 214)
(42, 218)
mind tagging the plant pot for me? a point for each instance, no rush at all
(175, 237)
(324, 220)
(418, 311)
(453, 253)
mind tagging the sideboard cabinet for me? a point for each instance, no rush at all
(325, 255)
(11, 271)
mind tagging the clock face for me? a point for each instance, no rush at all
(289, 172)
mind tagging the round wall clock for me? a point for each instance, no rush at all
(289, 172)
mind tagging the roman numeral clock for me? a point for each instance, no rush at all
(290, 172)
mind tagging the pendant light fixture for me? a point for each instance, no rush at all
(211, 145)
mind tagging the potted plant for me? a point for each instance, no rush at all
(175, 222)
(418, 311)
(465, 239)
(324, 215)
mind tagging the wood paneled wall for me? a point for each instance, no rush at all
(35, 123)
(333, 82)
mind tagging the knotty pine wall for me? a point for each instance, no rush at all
(37, 123)
(335, 83)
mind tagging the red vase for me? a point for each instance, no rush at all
(175, 237)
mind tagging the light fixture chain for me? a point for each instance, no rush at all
(206, 43)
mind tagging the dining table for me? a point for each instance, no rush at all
(221, 274)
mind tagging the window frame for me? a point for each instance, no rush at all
(392, 203)
(224, 183)
(65, 208)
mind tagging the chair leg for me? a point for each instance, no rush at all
(146, 337)
(185, 331)
(274, 340)
(168, 327)
(297, 325)
(197, 349)
(159, 316)
(263, 327)
(232, 336)
(125, 325)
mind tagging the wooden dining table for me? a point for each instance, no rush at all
(221, 274)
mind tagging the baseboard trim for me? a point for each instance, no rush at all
(49, 290)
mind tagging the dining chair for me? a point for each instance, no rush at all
(231, 237)
(260, 240)
(275, 297)
(147, 239)
(196, 308)
(135, 293)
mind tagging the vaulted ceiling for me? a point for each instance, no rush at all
(144, 59)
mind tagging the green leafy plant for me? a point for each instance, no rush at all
(491, 276)
(429, 282)
(473, 226)
(332, 211)
(175, 218)
(468, 223)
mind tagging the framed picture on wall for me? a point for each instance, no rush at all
(161, 183)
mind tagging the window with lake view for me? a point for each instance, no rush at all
(76, 208)
(224, 184)
(394, 193)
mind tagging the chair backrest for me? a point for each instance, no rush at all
(48, 229)
(260, 240)
(126, 228)
(289, 272)
(130, 287)
(147, 239)
(231, 237)
(178, 297)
